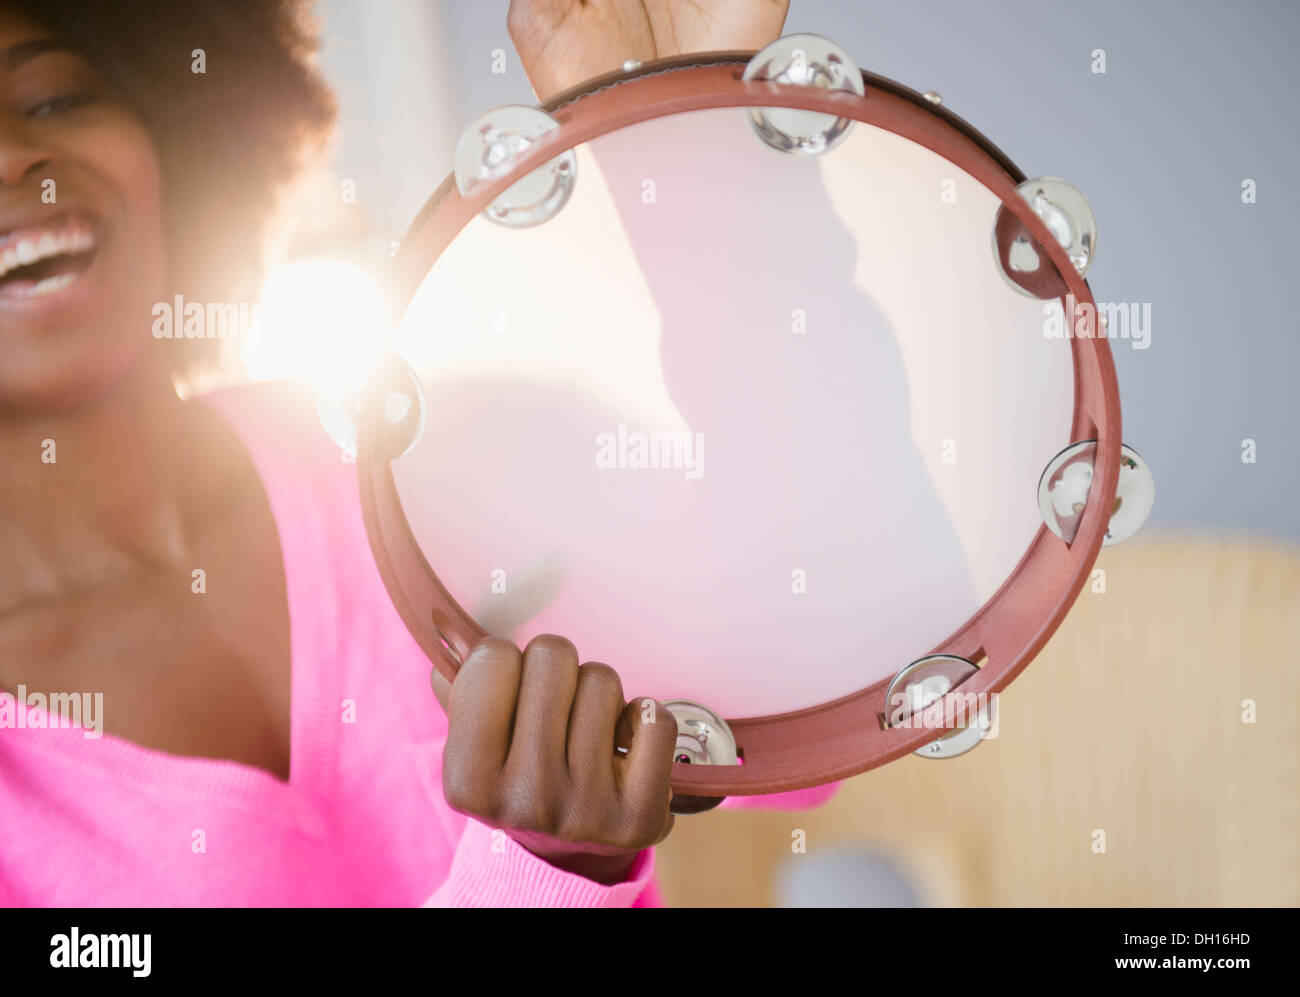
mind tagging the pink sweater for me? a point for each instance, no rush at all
(100, 821)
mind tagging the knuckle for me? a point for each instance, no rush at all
(491, 650)
(463, 790)
(551, 649)
(525, 806)
(599, 678)
(492, 660)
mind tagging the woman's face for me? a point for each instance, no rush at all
(81, 234)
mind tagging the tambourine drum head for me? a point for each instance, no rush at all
(756, 429)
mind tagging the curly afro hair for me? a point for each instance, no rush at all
(230, 138)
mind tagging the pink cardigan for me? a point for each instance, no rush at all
(100, 821)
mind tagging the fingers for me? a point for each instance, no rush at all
(722, 25)
(547, 687)
(441, 688)
(526, 16)
(644, 775)
(563, 42)
(593, 718)
(481, 713)
(531, 747)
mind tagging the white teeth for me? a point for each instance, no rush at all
(40, 246)
(49, 285)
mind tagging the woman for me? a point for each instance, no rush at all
(254, 722)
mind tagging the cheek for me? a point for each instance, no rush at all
(126, 158)
(114, 166)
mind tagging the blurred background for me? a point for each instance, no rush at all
(1164, 714)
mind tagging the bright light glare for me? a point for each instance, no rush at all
(320, 320)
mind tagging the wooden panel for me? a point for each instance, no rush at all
(1130, 721)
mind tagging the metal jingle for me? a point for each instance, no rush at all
(693, 804)
(338, 407)
(804, 60)
(703, 737)
(920, 685)
(1065, 483)
(394, 399)
(964, 738)
(1021, 260)
(489, 147)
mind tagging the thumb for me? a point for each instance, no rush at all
(441, 688)
(647, 730)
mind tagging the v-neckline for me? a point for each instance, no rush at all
(226, 780)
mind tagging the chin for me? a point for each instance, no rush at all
(61, 378)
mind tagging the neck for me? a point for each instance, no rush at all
(93, 494)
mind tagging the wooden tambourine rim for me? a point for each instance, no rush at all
(844, 737)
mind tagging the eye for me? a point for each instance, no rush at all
(60, 104)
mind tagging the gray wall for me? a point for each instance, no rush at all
(1196, 98)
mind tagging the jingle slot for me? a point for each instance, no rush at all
(449, 649)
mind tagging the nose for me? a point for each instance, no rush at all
(21, 154)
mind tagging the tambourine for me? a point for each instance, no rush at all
(769, 382)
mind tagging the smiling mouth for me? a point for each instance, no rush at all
(40, 260)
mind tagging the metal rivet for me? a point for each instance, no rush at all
(631, 65)
(933, 97)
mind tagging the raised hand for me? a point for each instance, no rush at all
(564, 42)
